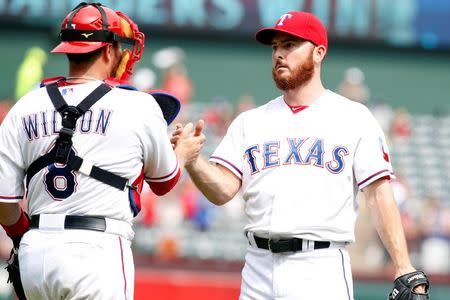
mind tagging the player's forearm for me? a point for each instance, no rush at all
(217, 187)
(387, 221)
(9, 213)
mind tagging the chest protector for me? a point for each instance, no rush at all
(62, 152)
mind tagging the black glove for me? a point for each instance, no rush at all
(16, 241)
(405, 284)
(13, 269)
(14, 274)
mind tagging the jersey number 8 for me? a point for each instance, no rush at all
(60, 181)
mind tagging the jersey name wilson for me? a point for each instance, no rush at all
(269, 155)
(47, 123)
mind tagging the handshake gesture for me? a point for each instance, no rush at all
(188, 141)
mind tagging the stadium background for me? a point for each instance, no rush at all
(393, 56)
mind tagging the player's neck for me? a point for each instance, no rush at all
(82, 74)
(304, 95)
(82, 77)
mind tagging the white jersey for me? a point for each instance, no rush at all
(301, 172)
(124, 133)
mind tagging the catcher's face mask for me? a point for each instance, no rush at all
(89, 27)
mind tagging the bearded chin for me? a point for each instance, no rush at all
(298, 77)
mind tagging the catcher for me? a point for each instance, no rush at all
(85, 143)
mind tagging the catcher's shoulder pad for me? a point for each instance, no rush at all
(169, 104)
(404, 286)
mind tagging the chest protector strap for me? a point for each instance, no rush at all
(62, 152)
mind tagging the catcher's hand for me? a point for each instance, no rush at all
(404, 287)
(14, 274)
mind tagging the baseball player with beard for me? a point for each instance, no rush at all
(85, 143)
(298, 162)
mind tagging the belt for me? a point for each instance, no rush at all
(77, 222)
(287, 245)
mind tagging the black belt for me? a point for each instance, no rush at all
(77, 222)
(286, 245)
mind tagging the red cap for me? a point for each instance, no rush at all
(297, 23)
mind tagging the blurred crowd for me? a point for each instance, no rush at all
(169, 226)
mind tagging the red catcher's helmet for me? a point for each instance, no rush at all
(90, 26)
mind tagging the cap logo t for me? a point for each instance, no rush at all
(282, 18)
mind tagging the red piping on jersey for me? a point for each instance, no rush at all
(224, 160)
(372, 176)
(123, 268)
(162, 188)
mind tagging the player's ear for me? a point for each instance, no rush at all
(319, 53)
(106, 53)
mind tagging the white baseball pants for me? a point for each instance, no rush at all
(76, 264)
(321, 274)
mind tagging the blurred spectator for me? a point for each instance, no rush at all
(401, 126)
(168, 248)
(219, 115)
(204, 217)
(245, 102)
(175, 79)
(169, 218)
(177, 83)
(147, 215)
(435, 225)
(168, 57)
(353, 86)
(143, 79)
(189, 196)
(31, 71)
(383, 112)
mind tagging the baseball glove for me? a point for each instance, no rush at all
(14, 272)
(405, 284)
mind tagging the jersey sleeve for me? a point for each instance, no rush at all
(229, 153)
(161, 167)
(12, 166)
(372, 160)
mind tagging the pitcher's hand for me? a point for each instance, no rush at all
(188, 141)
